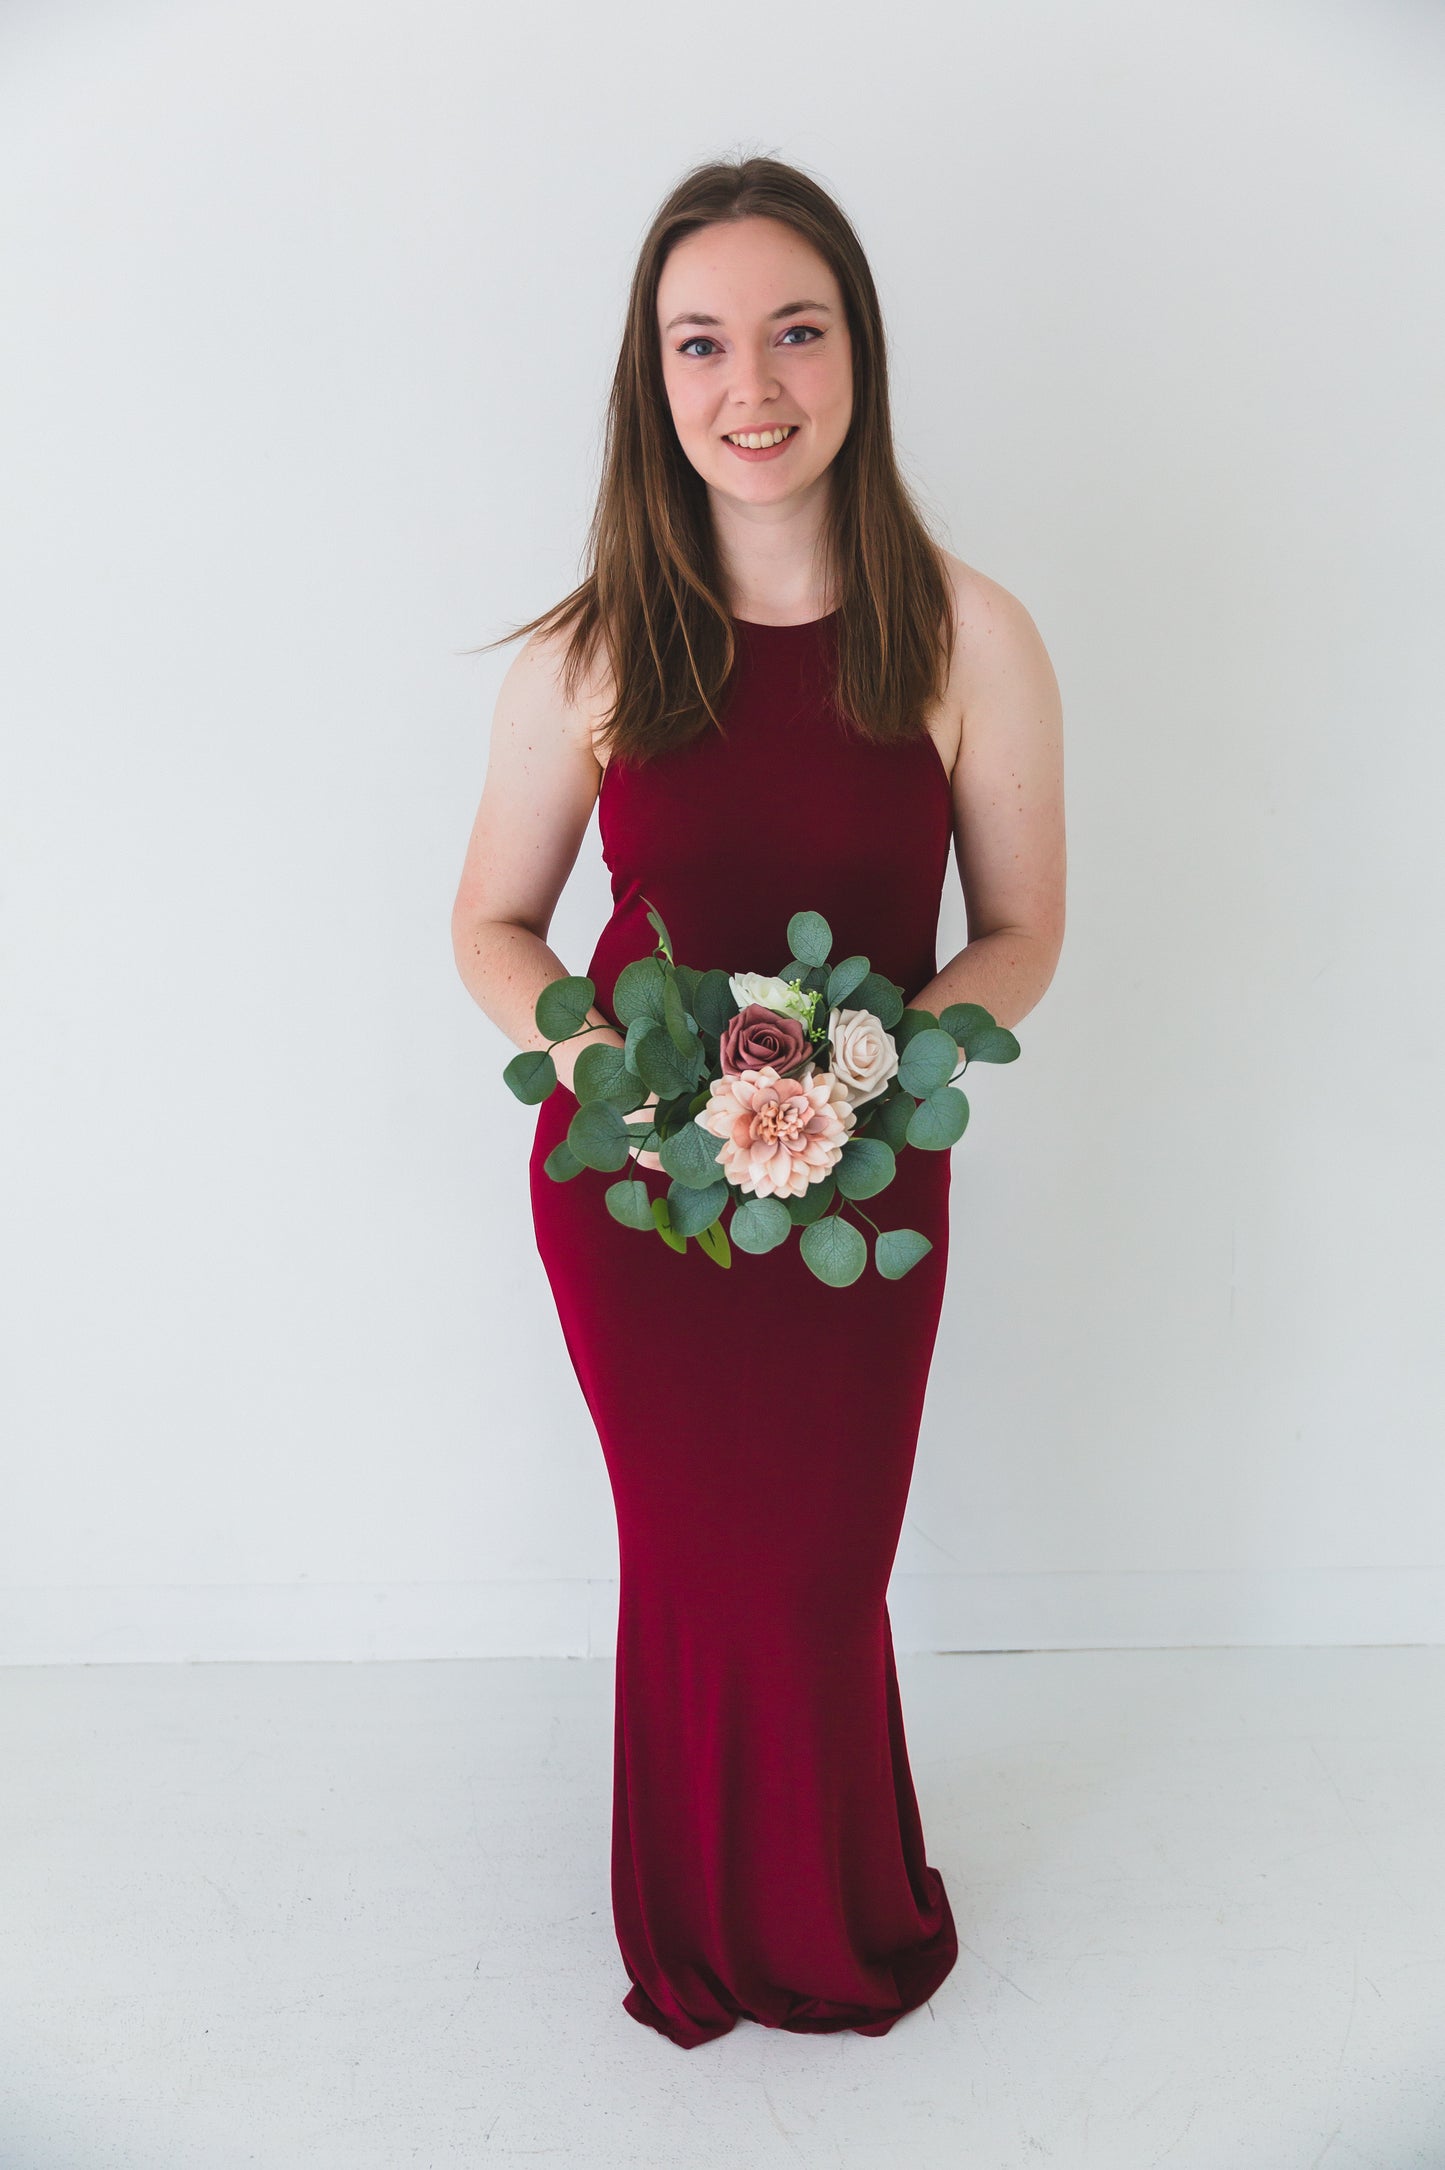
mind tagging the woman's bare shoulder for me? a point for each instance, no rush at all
(537, 680)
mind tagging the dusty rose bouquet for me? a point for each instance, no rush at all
(788, 1096)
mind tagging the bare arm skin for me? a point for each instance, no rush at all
(541, 785)
(1008, 801)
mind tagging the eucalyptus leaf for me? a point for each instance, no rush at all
(601, 1073)
(713, 1003)
(884, 997)
(638, 992)
(691, 1155)
(897, 1250)
(761, 1224)
(848, 973)
(865, 1166)
(562, 1006)
(912, 1021)
(810, 937)
(562, 1163)
(662, 1066)
(598, 1135)
(890, 1118)
(631, 1203)
(978, 1034)
(531, 1075)
(693, 1210)
(814, 1202)
(939, 1121)
(834, 1250)
(928, 1061)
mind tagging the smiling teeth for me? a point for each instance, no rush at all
(756, 439)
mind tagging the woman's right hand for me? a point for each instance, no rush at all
(642, 1115)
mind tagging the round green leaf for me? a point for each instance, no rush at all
(978, 1034)
(889, 1119)
(865, 1166)
(713, 1002)
(884, 997)
(848, 973)
(760, 1224)
(690, 1211)
(562, 1006)
(928, 1061)
(912, 1021)
(562, 1163)
(897, 1250)
(814, 1202)
(638, 992)
(601, 1073)
(631, 1203)
(662, 1066)
(531, 1075)
(598, 1135)
(810, 937)
(834, 1250)
(938, 1122)
(691, 1154)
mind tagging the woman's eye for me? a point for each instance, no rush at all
(700, 339)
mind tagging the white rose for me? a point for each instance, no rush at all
(784, 996)
(863, 1056)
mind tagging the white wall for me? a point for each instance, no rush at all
(310, 314)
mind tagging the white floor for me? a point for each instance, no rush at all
(331, 1917)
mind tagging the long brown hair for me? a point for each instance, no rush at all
(651, 597)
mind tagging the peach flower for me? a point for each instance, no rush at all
(779, 1133)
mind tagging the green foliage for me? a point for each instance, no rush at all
(531, 1075)
(630, 1202)
(598, 1136)
(897, 1250)
(842, 981)
(977, 1034)
(834, 1250)
(939, 1121)
(690, 1211)
(928, 1061)
(601, 1073)
(562, 1163)
(690, 1154)
(562, 1007)
(865, 1166)
(761, 1224)
(814, 1202)
(810, 937)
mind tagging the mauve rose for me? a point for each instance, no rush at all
(758, 1036)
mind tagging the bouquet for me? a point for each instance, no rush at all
(760, 1103)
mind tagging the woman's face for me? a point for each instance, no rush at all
(754, 339)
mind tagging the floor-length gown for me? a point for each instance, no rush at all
(759, 1427)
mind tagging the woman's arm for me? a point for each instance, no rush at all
(1008, 800)
(541, 785)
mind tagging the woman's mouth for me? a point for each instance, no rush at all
(761, 444)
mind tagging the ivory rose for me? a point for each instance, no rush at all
(864, 1056)
(784, 996)
(779, 1134)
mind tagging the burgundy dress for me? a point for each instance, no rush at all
(759, 1427)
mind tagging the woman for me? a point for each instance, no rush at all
(784, 696)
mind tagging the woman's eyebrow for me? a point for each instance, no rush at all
(789, 308)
